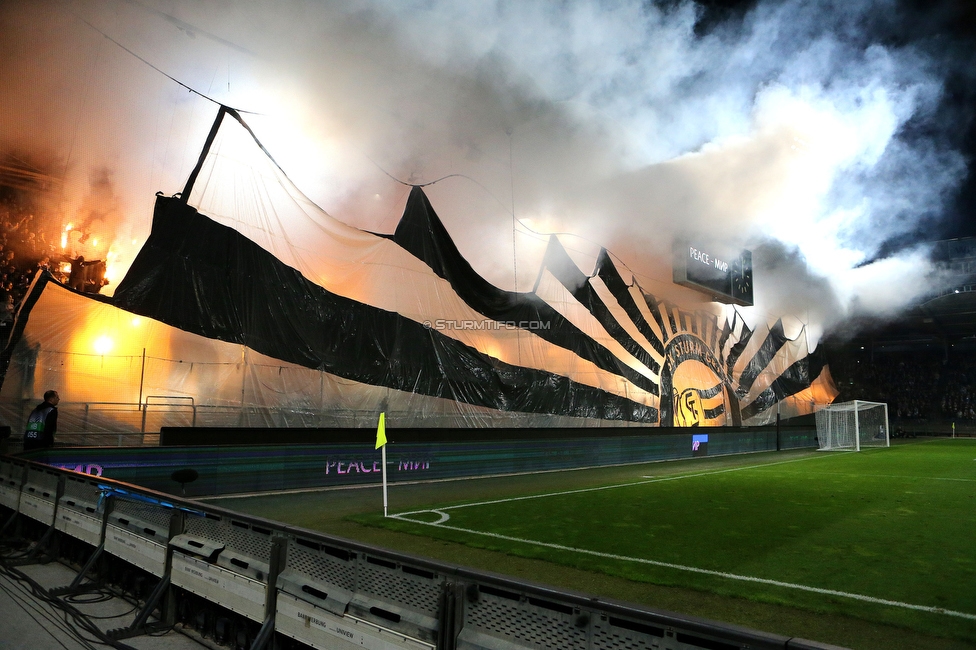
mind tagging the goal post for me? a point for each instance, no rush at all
(853, 425)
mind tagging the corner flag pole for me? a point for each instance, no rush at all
(381, 445)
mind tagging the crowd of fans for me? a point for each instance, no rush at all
(23, 250)
(959, 399)
(27, 245)
(31, 230)
(915, 385)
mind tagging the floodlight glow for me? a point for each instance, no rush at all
(103, 345)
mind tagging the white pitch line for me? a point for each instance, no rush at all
(453, 479)
(607, 487)
(920, 478)
(682, 567)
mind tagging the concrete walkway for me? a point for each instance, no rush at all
(28, 621)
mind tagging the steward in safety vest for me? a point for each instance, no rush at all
(42, 423)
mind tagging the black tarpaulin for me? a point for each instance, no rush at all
(421, 232)
(205, 278)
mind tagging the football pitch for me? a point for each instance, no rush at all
(884, 535)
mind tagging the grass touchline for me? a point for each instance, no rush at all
(652, 479)
(681, 567)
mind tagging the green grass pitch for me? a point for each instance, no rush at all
(884, 535)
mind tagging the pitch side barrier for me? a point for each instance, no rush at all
(324, 592)
(798, 432)
(235, 461)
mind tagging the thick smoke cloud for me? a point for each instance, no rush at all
(814, 132)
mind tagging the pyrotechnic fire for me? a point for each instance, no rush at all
(111, 259)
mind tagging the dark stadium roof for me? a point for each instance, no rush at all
(945, 318)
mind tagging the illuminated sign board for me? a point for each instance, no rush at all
(725, 277)
(699, 444)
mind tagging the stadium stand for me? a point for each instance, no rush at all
(924, 363)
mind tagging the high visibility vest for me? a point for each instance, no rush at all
(37, 422)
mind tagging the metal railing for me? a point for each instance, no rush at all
(316, 588)
(933, 427)
(169, 401)
(139, 423)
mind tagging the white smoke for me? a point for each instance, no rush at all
(786, 126)
(784, 129)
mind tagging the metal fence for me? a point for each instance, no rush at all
(328, 592)
(933, 427)
(138, 424)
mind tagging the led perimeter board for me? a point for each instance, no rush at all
(726, 278)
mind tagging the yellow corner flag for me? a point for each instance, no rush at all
(381, 445)
(381, 431)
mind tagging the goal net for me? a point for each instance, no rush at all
(853, 425)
